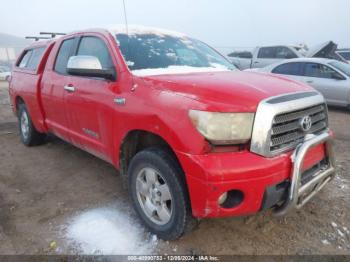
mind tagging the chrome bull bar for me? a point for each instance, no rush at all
(299, 195)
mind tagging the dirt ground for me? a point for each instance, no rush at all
(43, 188)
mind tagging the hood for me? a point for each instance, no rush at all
(234, 91)
(325, 50)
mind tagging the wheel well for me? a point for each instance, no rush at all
(19, 101)
(139, 140)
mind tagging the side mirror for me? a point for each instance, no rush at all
(337, 76)
(88, 66)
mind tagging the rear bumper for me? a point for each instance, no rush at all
(209, 176)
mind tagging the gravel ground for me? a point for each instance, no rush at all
(44, 189)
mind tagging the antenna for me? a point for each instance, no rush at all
(37, 38)
(53, 34)
(126, 20)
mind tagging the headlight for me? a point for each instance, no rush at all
(223, 128)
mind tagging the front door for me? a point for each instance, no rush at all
(325, 80)
(89, 102)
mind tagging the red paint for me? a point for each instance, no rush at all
(159, 105)
(314, 156)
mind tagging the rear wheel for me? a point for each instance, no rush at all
(159, 193)
(29, 135)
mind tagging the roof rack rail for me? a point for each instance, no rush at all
(53, 34)
(37, 38)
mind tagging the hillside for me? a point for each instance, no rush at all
(7, 40)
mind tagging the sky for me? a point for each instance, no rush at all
(221, 23)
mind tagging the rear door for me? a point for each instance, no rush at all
(327, 81)
(90, 108)
(52, 88)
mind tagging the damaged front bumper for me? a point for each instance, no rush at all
(300, 193)
(278, 182)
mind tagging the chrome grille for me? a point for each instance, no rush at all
(286, 132)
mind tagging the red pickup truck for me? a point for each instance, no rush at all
(193, 136)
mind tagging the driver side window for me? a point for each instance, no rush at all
(284, 53)
(319, 71)
(94, 46)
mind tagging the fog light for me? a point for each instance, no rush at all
(222, 198)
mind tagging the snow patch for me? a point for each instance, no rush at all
(109, 231)
(142, 30)
(177, 70)
(340, 233)
(325, 242)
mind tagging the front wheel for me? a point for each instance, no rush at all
(159, 194)
(29, 135)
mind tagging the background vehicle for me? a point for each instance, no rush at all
(267, 55)
(329, 77)
(263, 56)
(345, 53)
(189, 132)
(5, 73)
(241, 59)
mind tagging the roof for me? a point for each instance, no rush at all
(300, 59)
(307, 59)
(142, 30)
(132, 30)
(40, 43)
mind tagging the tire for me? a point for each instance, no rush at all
(170, 218)
(29, 135)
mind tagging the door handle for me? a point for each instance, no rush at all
(309, 81)
(69, 88)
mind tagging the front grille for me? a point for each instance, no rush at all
(286, 131)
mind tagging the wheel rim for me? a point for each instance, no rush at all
(154, 196)
(24, 125)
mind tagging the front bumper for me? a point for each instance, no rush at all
(209, 176)
(299, 194)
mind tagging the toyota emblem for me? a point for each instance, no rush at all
(306, 123)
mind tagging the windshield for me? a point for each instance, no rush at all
(343, 67)
(155, 51)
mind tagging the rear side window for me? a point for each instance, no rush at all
(94, 46)
(63, 56)
(241, 55)
(31, 58)
(35, 58)
(25, 58)
(289, 69)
